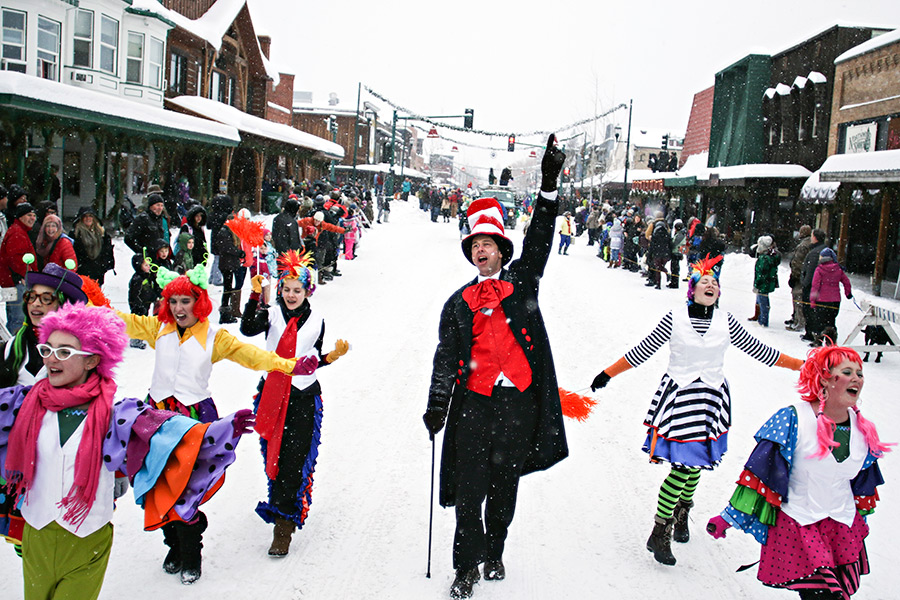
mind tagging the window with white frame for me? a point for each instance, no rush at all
(48, 48)
(109, 44)
(178, 73)
(13, 33)
(83, 39)
(134, 59)
(214, 85)
(155, 58)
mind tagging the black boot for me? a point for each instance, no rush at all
(281, 540)
(172, 562)
(462, 585)
(660, 542)
(190, 538)
(682, 534)
(494, 570)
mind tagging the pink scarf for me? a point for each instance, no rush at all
(22, 457)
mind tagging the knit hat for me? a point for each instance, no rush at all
(485, 217)
(67, 282)
(15, 192)
(23, 209)
(319, 216)
(763, 244)
(827, 255)
(154, 199)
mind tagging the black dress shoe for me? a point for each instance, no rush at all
(462, 585)
(494, 570)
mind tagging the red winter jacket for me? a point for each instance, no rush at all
(15, 245)
(826, 284)
(62, 251)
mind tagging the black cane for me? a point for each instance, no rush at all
(430, 510)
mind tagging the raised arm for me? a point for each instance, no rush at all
(638, 355)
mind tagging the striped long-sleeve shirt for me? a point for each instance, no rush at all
(739, 336)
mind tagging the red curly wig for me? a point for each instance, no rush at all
(182, 286)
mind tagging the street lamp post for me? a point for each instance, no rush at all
(627, 150)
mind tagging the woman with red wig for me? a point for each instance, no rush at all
(810, 482)
(187, 345)
(690, 414)
(64, 443)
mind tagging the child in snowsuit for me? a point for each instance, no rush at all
(162, 255)
(63, 444)
(184, 259)
(290, 408)
(143, 292)
(351, 231)
(810, 483)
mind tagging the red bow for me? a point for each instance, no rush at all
(487, 294)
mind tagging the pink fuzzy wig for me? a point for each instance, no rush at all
(98, 328)
(817, 369)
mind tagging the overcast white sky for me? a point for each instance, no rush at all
(529, 65)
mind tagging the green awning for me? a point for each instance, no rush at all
(681, 181)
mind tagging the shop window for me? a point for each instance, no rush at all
(83, 39)
(13, 53)
(178, 74)
(109, 44)
(48, 49)
(134, 62)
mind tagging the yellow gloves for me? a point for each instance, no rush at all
(340, 348)
(256, 284)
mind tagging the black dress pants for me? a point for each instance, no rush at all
(493, 437)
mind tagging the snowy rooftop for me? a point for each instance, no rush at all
(819, 191)
(248, 123)
(885, 163)
(877, 42)
(385, 167)
(89, 101)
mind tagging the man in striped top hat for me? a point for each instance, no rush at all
(494, 382)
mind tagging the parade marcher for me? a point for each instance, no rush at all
(64, 441)
(825, 293)
(810, 482)
(13, 267)
(289, 409)
(797, 322)
(187, 346)
(93, 246)
(494, 376)
(566, 231)
(690, 413)
(765, 275)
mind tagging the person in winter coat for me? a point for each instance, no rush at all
(184, 260)
(42, 209)
(690, 414)
(65, 440)
(712, 247)
(809, 486)
(825, 293)
(324, 234)
(351, 231)
(795, 281)
(289, 409)
(187, 346)
(285, 231)
(93, 246)
(807, 271)
(227, 247)
(695, 231)
(631, 226)
(660, 250)
(148, 226)
(678, 241)
(616, 242)
(502, 408)
(16, 195)
(161, 255)
(15, 246)
(566, 231)
(4, 202)
(143, 292)
(193, 224)
(765, 278)
(593, 225)
(52, 246)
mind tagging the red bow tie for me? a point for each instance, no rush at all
(487, 294)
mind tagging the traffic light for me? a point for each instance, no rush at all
(511, 145)
(665, 142)
(468, 118)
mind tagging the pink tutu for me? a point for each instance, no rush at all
(823, 555)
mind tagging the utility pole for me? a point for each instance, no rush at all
(627, 151)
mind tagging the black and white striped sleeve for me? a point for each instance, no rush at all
(741, 338)
(653, 342)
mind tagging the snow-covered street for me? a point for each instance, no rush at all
(580, 528)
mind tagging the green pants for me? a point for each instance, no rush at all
(59, 565)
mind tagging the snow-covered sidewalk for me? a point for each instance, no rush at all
(580, 528)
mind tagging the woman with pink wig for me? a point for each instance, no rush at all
(810, 482)
(63, 445)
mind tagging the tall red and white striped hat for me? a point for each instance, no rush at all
(485, 217)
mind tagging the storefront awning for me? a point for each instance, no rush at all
(43, 99)
(819, 192)
(252, 125)
(385, 168)
(681, 181)
(862, 167)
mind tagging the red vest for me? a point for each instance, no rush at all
(494, 348)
